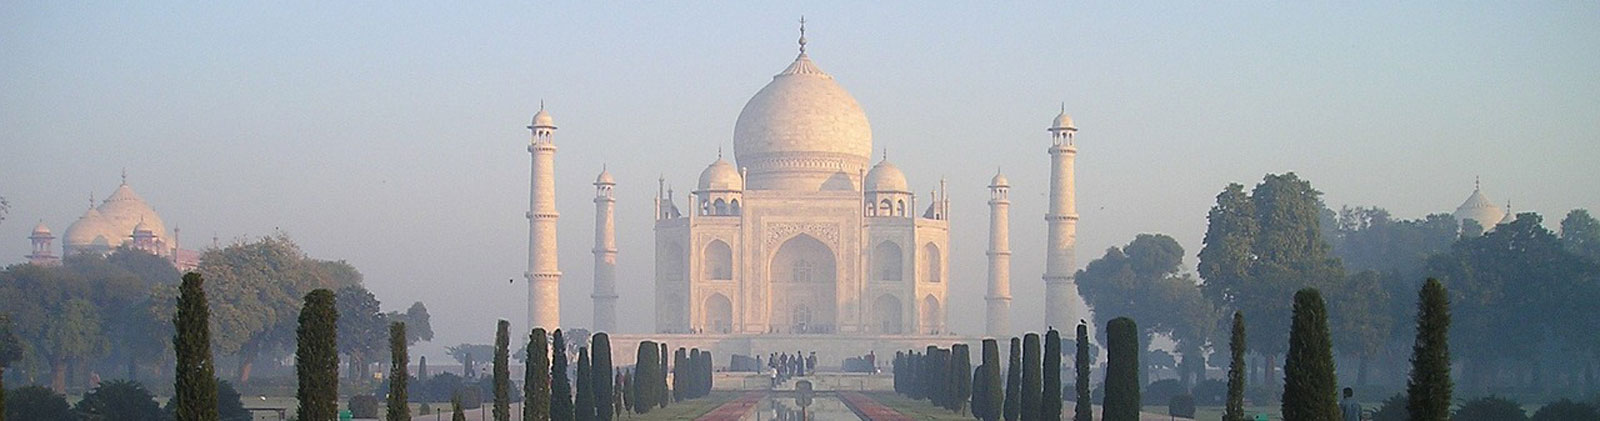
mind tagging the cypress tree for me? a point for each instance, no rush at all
(961, 376)
(455, 408)
(1050, 403)
(536, 378)
(600, 357)
(398, 408)
(662, 394)
(1122, 371)
(560, 387)
(1083, 409)
(644, 366)
(616, 398)
(1309, 386)
(978, 393)
(316, 357)
(1013, 403)
(1429, 388)
(706, 376)
(422, 368)
(679, 358)
(196, 382)
(502, 371)
(583, 408)
(1032, 381)
(994, 390)
(1234, 411)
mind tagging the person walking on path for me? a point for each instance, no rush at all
(1350, 408)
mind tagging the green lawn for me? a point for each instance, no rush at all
(686, 410)
(1215, 412)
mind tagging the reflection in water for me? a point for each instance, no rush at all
(824, 407)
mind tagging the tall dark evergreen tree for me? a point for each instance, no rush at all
(1050, 404)
(1429, 388)
(960, 377)
(662, 394)
(644, 369)
(583, 407)
(1122, 401)
(1032, 380)
(1309, 386)
(600, 358)
(1234, 410)
(196, 381)
(502, 371)
(679, 359)
(316, 358)
(993, 387)
(1013, 401)
(560, 387)
(399, 374)
(1083, 409)
(536, 378)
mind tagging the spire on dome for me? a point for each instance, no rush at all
(124, 176)
(802, 34)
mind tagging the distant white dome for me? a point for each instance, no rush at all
(721, 175)
(886, 177)
(91, 230)
(41, 230)
(1479, 208)
(113, 222)
(802, 132)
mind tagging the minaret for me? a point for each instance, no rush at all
(1061, 300)
(544, 278)
(999, 298)
(605, 254)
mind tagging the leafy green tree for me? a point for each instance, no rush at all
(1143, 280)
(316, 357)
(560, 386)
(74, 337)
(1490, 408)
(1234, 410)
(991, 385)
(502, 371)
(600, 358)
(1013, 403)
(1310, 386)
(1083, 407)
(1566, 409)
(119, 400)
(536, 378)
(230, 406)
(10, 351)
(418, 326)
(195, 383)
(1429, 389)
(1581, 234)
(398, 409)
(1050, 404)
(466, 354)
(256, 289)
(362, 327)
(1260, 248)
(1393, 409)
(34, 403)
(583, 404)
(1032, 379)
(1122, 401)
(1360, 319)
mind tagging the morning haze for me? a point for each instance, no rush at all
(393, 137)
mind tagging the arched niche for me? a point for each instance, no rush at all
(887, 262)
(718, 261)
(886, 311)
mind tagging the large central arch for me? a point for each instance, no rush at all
(804, 277)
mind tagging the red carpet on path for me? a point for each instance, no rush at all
(735, 409)
(869, 409)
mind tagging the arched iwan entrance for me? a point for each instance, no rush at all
(886, 315)
(803, 276)
(718, 314)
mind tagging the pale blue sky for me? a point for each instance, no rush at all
(391, 134)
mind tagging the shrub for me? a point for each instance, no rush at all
(1211, 392)
(1181, 406)
(364, 406)
(1162, 390)
(1566, 410)
(37, 403)
(1392, 409)
(1490, 408)
(119, 400)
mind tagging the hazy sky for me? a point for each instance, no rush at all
(392, 135)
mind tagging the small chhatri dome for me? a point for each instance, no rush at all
(1062, 121)
(999, 180)
(721, 175)
(542, 119)
(141, 228)
(41, 229)
(886, 177)
(604, 177)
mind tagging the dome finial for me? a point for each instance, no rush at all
(885, 154)
(802, 34)
(1477, 183)
(719, 152)
(124, 176)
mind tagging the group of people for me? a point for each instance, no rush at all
(781, 367)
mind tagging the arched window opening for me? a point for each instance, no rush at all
(721, 207)
(931, 271)
(718, 261)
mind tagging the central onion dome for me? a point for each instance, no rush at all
(802, 132)
(112, 223)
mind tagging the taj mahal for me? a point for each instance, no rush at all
(801, 241)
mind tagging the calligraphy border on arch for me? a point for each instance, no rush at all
(827, 232)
